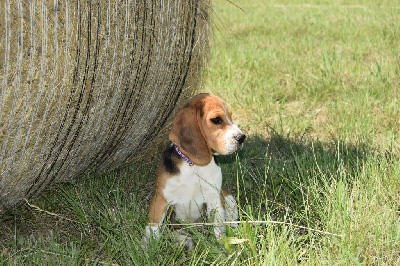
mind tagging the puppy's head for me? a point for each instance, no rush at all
(204, 127)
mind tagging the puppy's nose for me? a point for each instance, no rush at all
(240, 138)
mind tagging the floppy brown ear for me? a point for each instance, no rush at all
(187, 135)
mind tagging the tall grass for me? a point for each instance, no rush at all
(315, 86)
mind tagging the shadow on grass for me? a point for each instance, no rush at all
(269, 176)
(83, 211)
(275, 176)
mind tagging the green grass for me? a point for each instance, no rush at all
(315, 84)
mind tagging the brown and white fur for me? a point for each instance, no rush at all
(201, 129)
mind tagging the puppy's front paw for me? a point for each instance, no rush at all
(151, 231)
(182, 237)
(219, 231)
(231, 210)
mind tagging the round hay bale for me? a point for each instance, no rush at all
(86, 85)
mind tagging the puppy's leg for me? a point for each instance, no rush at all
(231, 208)
(215, 205)
(157, 210)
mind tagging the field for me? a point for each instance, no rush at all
(315, 85)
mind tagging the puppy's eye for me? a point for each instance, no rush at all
(217, 120)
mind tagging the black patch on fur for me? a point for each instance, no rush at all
(169, 161)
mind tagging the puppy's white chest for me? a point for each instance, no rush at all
(194, 186)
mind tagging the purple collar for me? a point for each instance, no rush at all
(183, 156)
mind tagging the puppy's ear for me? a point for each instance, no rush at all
(186, 133)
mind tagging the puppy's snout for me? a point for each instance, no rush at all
(240, 138)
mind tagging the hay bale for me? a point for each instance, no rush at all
(86, 85)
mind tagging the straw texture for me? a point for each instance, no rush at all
(86, 85)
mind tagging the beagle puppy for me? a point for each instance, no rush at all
(188, 179)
